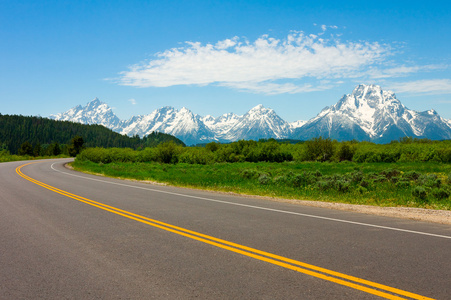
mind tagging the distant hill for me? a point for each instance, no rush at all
(15, 130)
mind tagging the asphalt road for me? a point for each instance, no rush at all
(67, 235)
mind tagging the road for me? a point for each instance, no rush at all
(68, 235)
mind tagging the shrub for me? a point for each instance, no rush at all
(264, 179)
(361, 190)
(319, 149)
(357, 176)
(168, 152)
(402, 184)
(379, 178)
(411, 175)
(280, 180)
(303, 179)
(364, 184)
(389, 173)
(430, 180)
(440, 193)
(323, 185)
(249, 174)
(341, 186)
(345, 152)
(420, 193)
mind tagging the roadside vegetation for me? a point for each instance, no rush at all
(408, 172)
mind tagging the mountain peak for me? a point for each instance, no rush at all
(96, 101)
(368, 113)
(258, 107)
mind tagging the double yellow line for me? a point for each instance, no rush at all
(325, 274)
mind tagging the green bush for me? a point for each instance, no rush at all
(249, 174)
(420, 193)
(323, 185)
(430, 180)
(319, 149)
(389, 173)
(440, 194)
(168, 152)
(411, 175)
(264, 179)
(402, 184)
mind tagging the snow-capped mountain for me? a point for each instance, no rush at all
(259, 122)
(180, 123)
(370, 113)
(95, 112)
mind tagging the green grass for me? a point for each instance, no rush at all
(355, 183)
(13, 157)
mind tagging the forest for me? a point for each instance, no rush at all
(50, 137)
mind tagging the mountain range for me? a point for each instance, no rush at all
(368, 113)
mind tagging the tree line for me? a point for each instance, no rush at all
(317, 149)
(39, 136)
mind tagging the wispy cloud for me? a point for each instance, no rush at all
(258, 66)
(132, 101)
(296, 64)
(421, 87)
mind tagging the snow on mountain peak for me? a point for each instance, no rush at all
(372, 113)
(368, 113)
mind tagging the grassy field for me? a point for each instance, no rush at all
(425, 185)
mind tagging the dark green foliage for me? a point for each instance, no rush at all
(402, 184)
(411, 175)
(440, 193)
(249, 174)
(156, 138)
(389, 173)
(168, 152)
(26, 149)
(430, 180)
(53, 149)
(319, 149)
(75, 146)
(420, 193)
(345, 151)
(16, 130)
(314, 150)
(213, 146)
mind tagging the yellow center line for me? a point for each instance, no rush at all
(325, 274)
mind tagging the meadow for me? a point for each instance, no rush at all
(410, 173)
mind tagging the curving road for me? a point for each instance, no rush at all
(67, 235)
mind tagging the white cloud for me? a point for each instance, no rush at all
(429, 86)
(132, 101)
(257, 66)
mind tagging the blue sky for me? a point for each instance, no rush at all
(215, 57)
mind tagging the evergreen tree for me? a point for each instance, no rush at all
(26, 149)
(75, 146)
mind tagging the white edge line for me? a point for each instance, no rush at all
(257, 207)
